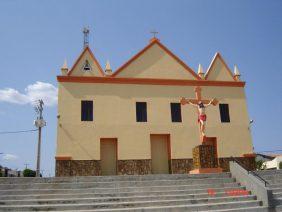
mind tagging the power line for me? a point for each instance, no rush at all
(14, 132)
(278, 150)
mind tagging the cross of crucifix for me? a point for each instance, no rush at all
(198, 94)
(201, 112)
(154, 32)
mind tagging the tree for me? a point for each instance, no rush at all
(29, 173)
(259, 164)
(280, 165)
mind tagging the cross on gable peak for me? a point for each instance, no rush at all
(154, 32)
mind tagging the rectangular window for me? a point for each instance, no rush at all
(175, 109)
(86, 110)
(141, 111)
(224, 113)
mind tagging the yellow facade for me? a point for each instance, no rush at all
(115, 112)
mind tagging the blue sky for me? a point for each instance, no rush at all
(36, 36)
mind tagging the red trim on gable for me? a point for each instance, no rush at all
(147, 81)
(218, 55)
(156, 41)
(93, 57)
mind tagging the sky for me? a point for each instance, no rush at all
(36, 37)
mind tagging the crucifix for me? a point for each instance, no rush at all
(154, 32)
(201, 104)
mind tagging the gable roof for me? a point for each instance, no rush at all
(211, 67)
(87, 49)
(157, 42)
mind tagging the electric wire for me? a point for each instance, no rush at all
(16, 132)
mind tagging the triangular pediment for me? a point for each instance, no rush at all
(155, 61)
(218, 70)
(86, 65)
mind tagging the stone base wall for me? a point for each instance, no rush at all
(85, 167)
(181, 166)
(248, 163)
(77, 168)
(138, 167)
(204, 156)
(63, 168)
(134, 167)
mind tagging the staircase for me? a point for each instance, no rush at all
(178, 192)
(274, 179)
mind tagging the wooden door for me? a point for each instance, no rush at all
(160, 154)
(108, 151)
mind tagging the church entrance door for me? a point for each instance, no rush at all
(160, 151)
(108, 154)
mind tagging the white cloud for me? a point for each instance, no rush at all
(12, 96)
(10, 157)
(39, 90)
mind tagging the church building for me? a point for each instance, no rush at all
(130, 121)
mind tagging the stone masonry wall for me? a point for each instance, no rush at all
(77, 168)
(137, 167)
(247, 162)
(204, 156)
(134, 167)
(181, 166)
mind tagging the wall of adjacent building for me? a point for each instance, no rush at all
(115, 117)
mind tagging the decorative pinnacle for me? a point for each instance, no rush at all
(236, 71)
(201, 72)
(108, 66)
(64, 69)
(200, 69)
(65, 65)
(108, 69)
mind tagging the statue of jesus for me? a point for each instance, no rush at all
(201, 106)
(202, 116)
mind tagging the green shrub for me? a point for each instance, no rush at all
(259, 165)
(280, 165)
(29, 173)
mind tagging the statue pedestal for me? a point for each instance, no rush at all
(205, 158)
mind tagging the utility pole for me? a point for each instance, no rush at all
(39, 123)
(26, 164)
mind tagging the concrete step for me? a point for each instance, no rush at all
(184, 209)
(275, 185)
(278, 201)
(19, 180)
(115, 183)
(276, 190)
(87, 200)
(196, 193)
(200, 204)
(277, 194)
(278, 208)
(248, 209)
(272, 176)
(275, 181)
(269, 172)
(118, 189)
(159, 206)
(127, 193)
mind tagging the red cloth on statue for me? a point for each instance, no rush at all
(202, 117)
